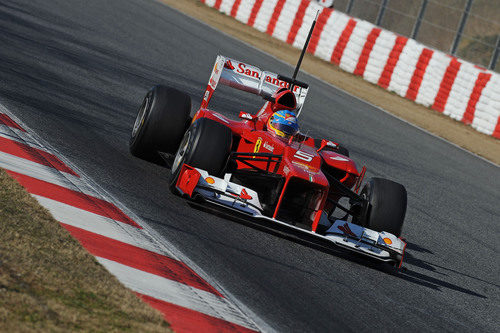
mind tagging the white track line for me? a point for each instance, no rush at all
(19, 136)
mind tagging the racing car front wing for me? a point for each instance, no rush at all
(198, 184)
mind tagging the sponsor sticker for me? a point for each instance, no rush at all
(254, 72)
(268, 147)
(305, 167)
(229, 65)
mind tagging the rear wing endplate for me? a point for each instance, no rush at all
(251, 79)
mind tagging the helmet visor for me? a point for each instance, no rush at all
(287, 129)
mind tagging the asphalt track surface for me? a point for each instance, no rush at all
(76, 72)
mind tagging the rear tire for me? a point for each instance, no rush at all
(160, 123)
(387, 205)
(206, 145)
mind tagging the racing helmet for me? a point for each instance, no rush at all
(283, 124)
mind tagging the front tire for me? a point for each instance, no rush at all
(387, 205)
(205, 145)
(160, 123)
(342, 151)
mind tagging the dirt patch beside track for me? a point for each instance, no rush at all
(434, 122)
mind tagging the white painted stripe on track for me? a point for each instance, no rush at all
(177, 293)
(101, 225)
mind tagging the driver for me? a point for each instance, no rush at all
(283, 124)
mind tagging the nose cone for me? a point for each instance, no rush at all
(304, 163)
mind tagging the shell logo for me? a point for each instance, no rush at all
(210, 180)
(388, 241)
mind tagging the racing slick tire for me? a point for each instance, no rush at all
(160, 123)
(387, 205)
(342, 151)
(206, 145)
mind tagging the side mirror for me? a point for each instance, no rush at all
(247, 116)
(327, 143)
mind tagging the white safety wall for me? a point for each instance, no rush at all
(456, 88)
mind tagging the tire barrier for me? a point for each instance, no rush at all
(452, 86)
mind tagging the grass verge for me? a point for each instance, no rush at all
(48, 282)
(433, 121)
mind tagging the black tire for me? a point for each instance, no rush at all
(387, 205)
(205, 145)
(342, 151)
(160, 123)
(339, 150)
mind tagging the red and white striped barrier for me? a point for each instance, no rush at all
(447, 84)
(124, 245)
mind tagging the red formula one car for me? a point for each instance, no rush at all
(262, 168)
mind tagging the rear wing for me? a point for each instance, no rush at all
(251, 79)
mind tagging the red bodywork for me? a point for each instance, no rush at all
(300, 158)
